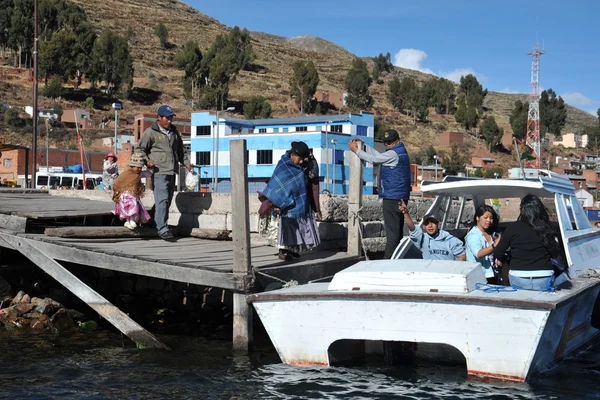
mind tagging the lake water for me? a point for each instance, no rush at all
(103, 365)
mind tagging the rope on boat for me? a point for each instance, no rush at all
(291, 283)
(487, 288)
(592, 273)
(356, 216)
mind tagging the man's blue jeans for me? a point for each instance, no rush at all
(164, 187)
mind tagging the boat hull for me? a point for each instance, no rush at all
(506, 343)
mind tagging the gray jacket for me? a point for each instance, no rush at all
(165, 152)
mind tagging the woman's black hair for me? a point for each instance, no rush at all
(495, 219)
(535, 214)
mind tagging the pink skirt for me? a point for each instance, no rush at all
(131, 208)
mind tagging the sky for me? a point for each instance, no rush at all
(487, 38)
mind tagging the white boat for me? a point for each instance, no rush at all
(436, 306)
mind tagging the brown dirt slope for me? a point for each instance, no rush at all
(272, 67)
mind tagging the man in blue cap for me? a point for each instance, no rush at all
(162, 147)
(394, 182)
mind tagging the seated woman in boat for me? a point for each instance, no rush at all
(481, 240)
(434, 243)
(533, 243)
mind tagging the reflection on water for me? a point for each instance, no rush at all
(102, 366)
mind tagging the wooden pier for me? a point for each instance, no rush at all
(231, 265)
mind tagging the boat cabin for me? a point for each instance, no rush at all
(455, 203)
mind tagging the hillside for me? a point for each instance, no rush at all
(270, 71)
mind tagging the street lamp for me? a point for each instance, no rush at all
(47, 141)
(327, 154)
(496, 175)
(117, 107)
(216, 169)
(333, 142)
(435, 157)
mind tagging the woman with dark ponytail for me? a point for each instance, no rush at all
(533, 244)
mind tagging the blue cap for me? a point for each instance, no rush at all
(165, 111)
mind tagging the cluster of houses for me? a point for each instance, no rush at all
(206, 136)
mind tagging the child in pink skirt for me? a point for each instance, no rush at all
(127, 192)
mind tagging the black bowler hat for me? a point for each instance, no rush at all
(300, 149)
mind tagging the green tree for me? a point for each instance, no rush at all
(425, 156)
(89, 103)
(221, 63)
(54, 88)
(553, 114)
(85, 37)
(189, 59)
(495, 172)
(478, 173)
(58, 56)
(472, 91)
(466, 116)
(5, 18)
(358, 81)
(12, 119)
(112, 62)
(518, 119)
(492, 134)
(382, 64)
(403, 94)
(444, 98)
(303, 83)
(20, 33)
(455, 162)
(470, 101)
(257, 107)
(163, 35)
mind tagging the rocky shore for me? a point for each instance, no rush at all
(23, 313)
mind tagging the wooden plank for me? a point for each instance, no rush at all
(99, 232)
(354, 205)
(118, 318)
(161, 270)
(242, 312)
(13, 223)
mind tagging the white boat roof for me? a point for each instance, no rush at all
(503, 188)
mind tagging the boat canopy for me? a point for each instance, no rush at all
(503, 188)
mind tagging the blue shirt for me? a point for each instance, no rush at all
(474, 242)
(442, 247)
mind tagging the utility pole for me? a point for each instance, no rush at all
(35, 96)
(117, 107)
(326, 156)
(334, 143)
(216, 170)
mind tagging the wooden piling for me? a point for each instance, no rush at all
(354, 205)
(242, 311)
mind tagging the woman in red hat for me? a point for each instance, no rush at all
(110, 171)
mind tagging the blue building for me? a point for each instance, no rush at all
(268, 139)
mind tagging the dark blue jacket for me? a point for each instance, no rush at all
(394, 182)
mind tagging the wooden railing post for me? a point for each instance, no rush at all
(242, 311)
(354, 205)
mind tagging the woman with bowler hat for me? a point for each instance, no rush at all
(286, 194)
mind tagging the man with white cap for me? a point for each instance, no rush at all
(163, 149)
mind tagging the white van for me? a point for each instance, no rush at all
(67, 180)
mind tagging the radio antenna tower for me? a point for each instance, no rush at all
(533, 116)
